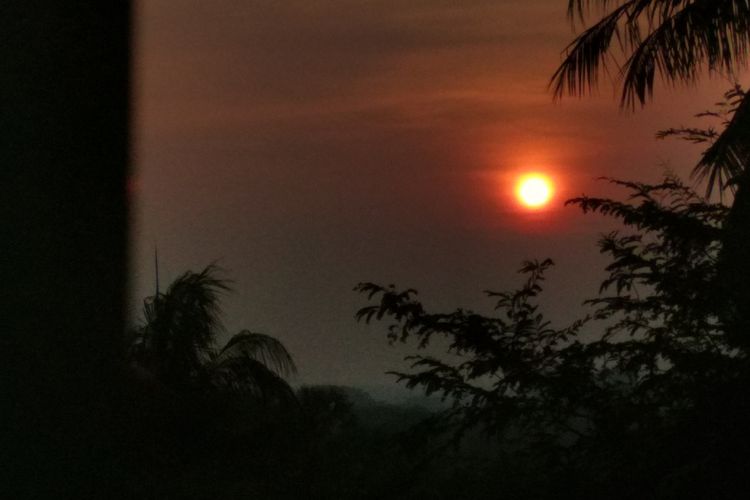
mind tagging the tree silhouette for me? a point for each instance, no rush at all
(177, 344)
(497, 379)
(676, 39)
(607, 406)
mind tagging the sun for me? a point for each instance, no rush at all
(534, 190)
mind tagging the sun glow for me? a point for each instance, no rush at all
(534, 190)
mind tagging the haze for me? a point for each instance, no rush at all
(308, 146)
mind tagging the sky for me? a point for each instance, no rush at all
(307, 146)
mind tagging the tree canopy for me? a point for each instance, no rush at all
(651, 363)
(177, 343)
(674, 39)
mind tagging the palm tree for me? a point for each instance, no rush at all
(677, 40)
(177, 344)
(674, 38)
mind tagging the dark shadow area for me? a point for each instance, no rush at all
(65, 135)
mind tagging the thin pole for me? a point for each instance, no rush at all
(156, 268)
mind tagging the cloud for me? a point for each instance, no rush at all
(229, 61)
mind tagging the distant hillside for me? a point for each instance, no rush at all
(386, 408)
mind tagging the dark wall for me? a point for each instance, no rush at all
(64, 130)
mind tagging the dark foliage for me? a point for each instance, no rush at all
(197, 411)
(723, 161)
(677, 39)
(674, 39)
(177, 344)
(646, 404)
(498, 378)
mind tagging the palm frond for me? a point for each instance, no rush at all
(729, 155)
(259, 347)
(701, 33)
(194, 300)
(674, 38)
(248, 377)
(579, 71)
(728, 151)
(180, 325)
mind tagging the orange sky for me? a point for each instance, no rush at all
(310, 145)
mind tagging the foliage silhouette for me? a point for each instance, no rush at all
(723, 161)
(607, 406)
(498, 379)
(674, 38)
(203, 415)
(177, 344)
(677, 39)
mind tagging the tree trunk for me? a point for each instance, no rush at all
(734, 268)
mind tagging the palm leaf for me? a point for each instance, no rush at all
(579, 71)
(249, 377)
(728, 156)
(177, 343)
(706, 32)
(259, 347)
(181, 324)
(675, 38)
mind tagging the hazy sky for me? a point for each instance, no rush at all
(309, 145)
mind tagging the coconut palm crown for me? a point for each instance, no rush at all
(176, 342)
(675, 39)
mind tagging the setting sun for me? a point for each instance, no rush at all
(534, 190)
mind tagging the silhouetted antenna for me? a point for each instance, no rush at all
(156, 268)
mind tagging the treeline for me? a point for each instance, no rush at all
(654, 406)
(199, 419)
